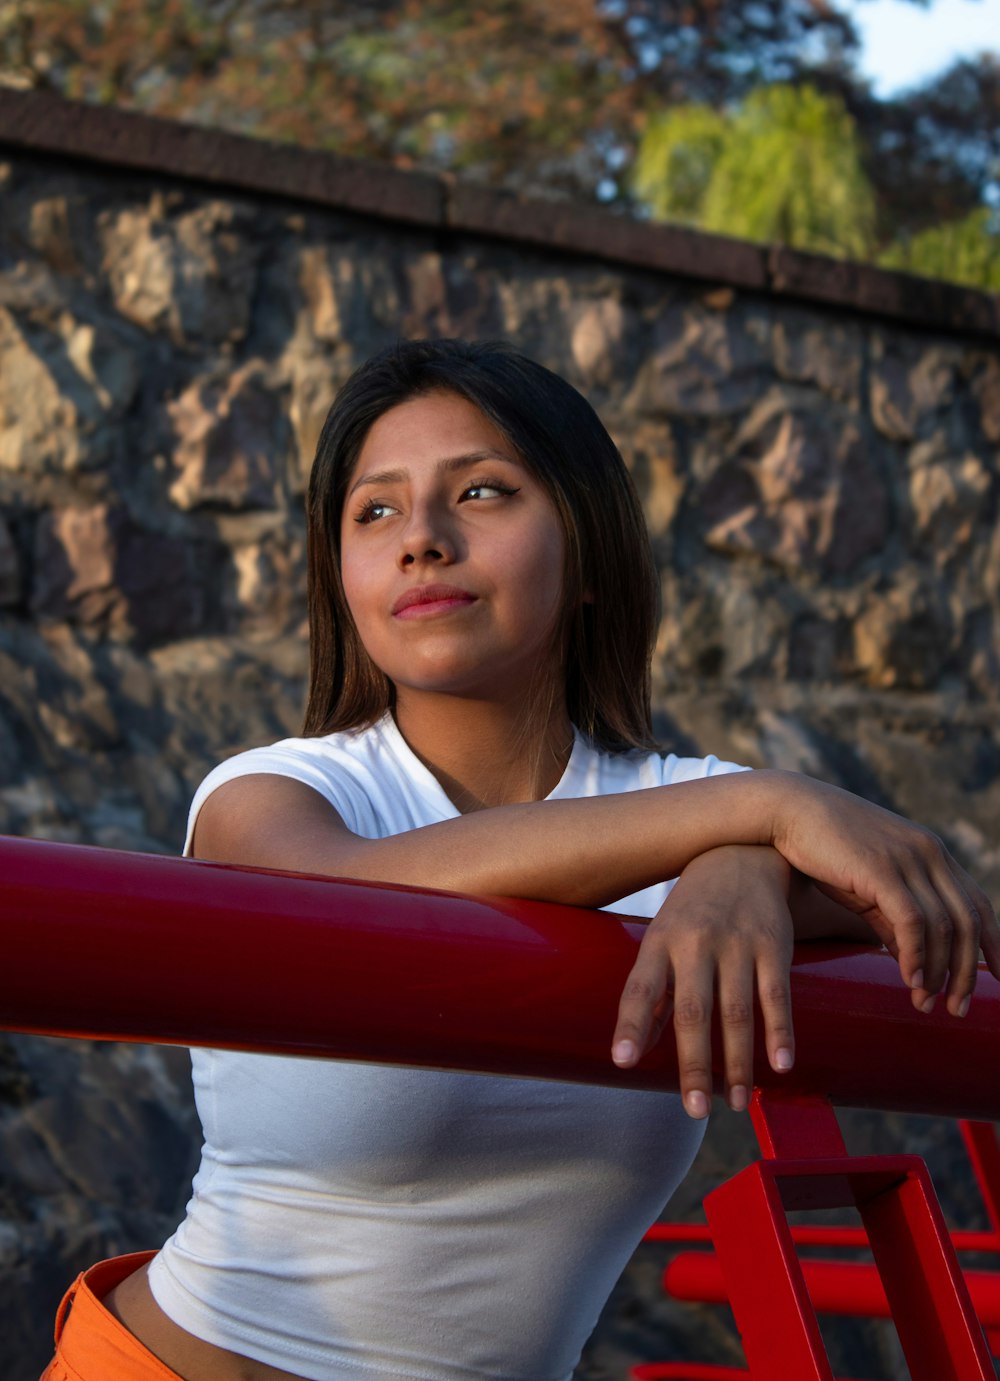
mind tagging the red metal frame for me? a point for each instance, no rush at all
(984, 1151)
(916, 1279)
(99, 943)
(426, 978)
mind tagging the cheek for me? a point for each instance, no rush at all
(544, 576)
(357, 597)
(549, 564)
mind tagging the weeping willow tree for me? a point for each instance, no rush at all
(676, 158)
(785, 166)
(964, 251)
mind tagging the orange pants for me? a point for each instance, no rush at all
(91, 1345)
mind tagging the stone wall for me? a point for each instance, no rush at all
(821, 484)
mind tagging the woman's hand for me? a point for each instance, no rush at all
(899, 879)
(724, 927)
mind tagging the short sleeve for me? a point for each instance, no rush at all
(675, 769)
(285, 759)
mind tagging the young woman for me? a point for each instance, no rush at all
(483, 606)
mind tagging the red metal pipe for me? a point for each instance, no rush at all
(129, 946)
(835, 1287)
(830, 1237)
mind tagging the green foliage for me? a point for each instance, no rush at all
(676, 158)
(792, 172)
(785, 166)
(965, 251)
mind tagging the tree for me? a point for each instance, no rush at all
(677, 155)
(934, 152)
(518, 92)
(964, 251)
(785, 166)
(522, 93)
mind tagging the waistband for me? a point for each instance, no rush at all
(90, 1342)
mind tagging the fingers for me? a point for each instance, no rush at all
(736, 1021)
(643, 1004)
(956, 918)
(774, 992)
(693, 1033)
(693, 975)
(934, 919)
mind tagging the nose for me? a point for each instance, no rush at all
(426, 539)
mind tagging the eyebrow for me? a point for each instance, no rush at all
(449, 466)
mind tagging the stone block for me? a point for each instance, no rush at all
(597, 334)
(985, 389)
(911, 385)
(269, 592)
(319, 293)
(701, 364)
(906, 636)
(75, 554)
(50, 416)
(51, 233)
(96, 567)
(800, 491)
(950, 498)
(106, 362)
(314, 386)
(651, 453)
(829, 355)
(191, 276)
(232, 442)
(10, 567)
(427, 291)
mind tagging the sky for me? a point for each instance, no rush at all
(904, 44)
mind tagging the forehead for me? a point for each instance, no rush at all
(432, 426)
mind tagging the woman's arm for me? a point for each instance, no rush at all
(898, 877)
(583, 852)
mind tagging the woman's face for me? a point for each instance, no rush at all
(451, 554)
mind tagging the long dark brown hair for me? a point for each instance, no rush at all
(610, 592)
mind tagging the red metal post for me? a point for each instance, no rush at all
(984, 1151)
(927, 1295)
(765, 1283)
(795, 1126)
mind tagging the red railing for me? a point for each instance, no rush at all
(99, 943)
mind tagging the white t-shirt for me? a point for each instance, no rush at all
(356, 1222)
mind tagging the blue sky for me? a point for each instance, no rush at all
(904, 44)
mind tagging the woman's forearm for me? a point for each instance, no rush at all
(584, 852)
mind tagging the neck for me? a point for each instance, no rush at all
(485, 753)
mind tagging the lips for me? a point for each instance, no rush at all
(424, 600)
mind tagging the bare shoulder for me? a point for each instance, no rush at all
(268, 821)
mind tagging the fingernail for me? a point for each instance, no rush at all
(963, 1006)
(783, 1058)
(928, 1006)
(738, 1098)
(696, 1104)
(917, 981)
(624, 1053)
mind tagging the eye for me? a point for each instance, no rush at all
(488, 489)
(372, 510)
